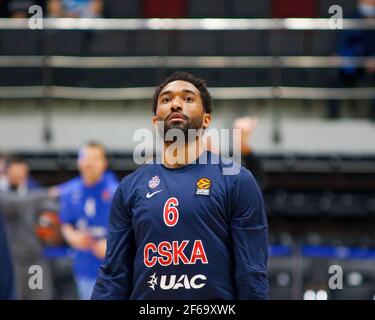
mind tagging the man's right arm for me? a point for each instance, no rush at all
(114, 281)
(12, 203)
(77, 239)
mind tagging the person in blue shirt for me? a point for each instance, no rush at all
(179, 228)
(67, 186)
(84, 210)
(356, 44)
(75, 8)
(7, 289)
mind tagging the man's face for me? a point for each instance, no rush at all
(367, 8)
(2, 166)
(368, 2)
(180, 106)
(17, 174)
(92, 164)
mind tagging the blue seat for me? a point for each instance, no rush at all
(109, 43)
(289, 43)
(323, 43)
(253, 43)
(103, 78)
(149, 42)
(21, 42)
(20, 77)
(251, 9)
(68, 77)
(121, 9)
(66, 42)
(197, 43)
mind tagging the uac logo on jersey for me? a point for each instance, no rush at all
(203, 186)
(172, 282)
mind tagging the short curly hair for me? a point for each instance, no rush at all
(200, 84)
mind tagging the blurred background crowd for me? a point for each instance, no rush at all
(303, 94)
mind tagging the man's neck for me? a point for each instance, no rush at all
(91, 182)
(175, 156)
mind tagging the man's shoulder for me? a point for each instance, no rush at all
(73, 188)
(229, 167)
(137, 175)
(110, 182)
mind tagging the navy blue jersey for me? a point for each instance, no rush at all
(87, 208)
(186, 233)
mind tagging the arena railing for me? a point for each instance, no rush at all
(274, 61)
(190, 24)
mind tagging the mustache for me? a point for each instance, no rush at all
(175, 113)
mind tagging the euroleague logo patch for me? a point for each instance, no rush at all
(203, 187)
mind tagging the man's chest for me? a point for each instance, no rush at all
(91, 206)
(180, 202)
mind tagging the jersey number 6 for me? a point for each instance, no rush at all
(170, 212)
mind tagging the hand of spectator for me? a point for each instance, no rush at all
(247, 126)
(96, 8)
(80, 240)
(53, 192)
(99, 248)
(370, 65)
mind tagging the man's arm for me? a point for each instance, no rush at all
(250, 161)
(82, 240)
(77, 239)
(99, 248)
(249, 231)
(12, 203)
(114, 281)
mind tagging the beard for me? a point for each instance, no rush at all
(181, 128)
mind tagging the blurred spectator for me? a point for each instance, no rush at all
(3, 178)
(20, 215)
(84, 213)
(18, 176)
(18, 8)
(21, 209)
(69, 185)
(56, 251)
(356, 43)
(75, 8)
(6, 268)
(250, 161)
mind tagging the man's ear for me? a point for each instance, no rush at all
(206, 120)
(154, 120)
